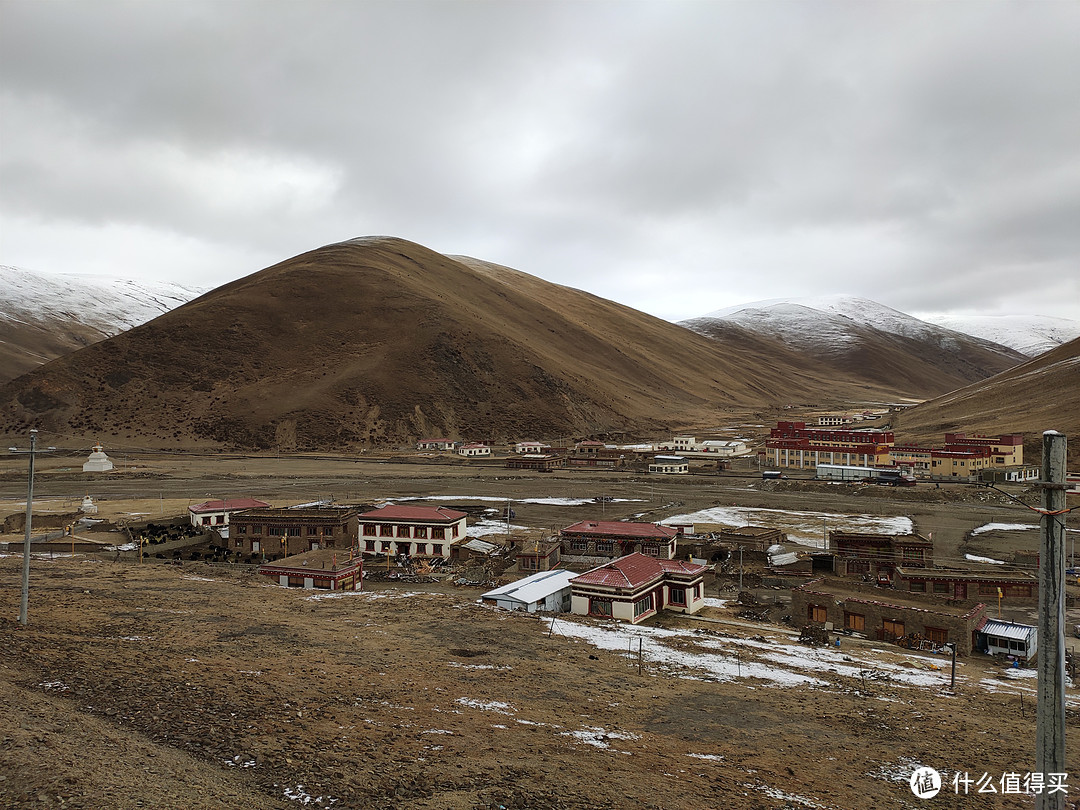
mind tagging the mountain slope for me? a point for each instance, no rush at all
(1039, 395)
(378, 341)
(1031, 335)
(43, 316)
(855, 336)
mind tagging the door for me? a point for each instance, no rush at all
(961, 590)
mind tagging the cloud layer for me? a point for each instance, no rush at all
(674, 156)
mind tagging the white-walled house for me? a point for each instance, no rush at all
(532, 448)
(635, 587)
(413, 530)
(215, 514)
(546, 590)
(436, 444)
(672, 465)
(474, 450)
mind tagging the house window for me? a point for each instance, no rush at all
(370, 530)
(643, 605)
(678, 596)
(386, 531)
(917, 586)
(454, 531)
(438, 533)
(599, 607)
(241, 529)
(404, 531)
(256, 529)
(855, 622)
(238, 543)
(528, 563)
(891, 629)
(817, 613)
(605, 546)
(206, 521)
(941, 587)
(651, 549)
(858, 566)
(578, 545)
(369, 545)
(697, 592)
(937, 635)
(421, 533)
(987, 589)
(385, 545)
(436, 548)
(421, 548)
(312, 530)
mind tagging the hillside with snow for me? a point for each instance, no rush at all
(855, 335)
(46, 315)
(1031, 335)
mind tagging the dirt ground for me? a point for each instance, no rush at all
(193, 686)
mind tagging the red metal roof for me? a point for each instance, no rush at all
(635, 570)
(621, 529)
(228, 505)
(437, 514)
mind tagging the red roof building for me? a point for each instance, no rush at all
(215, 514)
(636, 586)
(425, 531)
(793, 444)
(616, 538)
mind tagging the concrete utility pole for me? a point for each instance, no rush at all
(1050, 713)
(23, 619)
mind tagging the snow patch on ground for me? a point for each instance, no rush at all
(486, 706)
(975, 558)
(1004, 527)
(805, 528)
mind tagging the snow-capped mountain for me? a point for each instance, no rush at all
(1031, 335)
(45, 315)
(856, 335)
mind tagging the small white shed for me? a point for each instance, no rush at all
(546, 590)
(998, 637)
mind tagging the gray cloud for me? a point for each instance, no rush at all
(677, 157)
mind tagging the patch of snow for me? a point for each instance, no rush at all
(1030, 335)
(598, 737)
(975, 558)
(488, 706)
(804, 528)
(1004, 527)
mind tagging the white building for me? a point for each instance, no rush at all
(215, 514)
(436, 444)
(673, 465)
(98, 461)
(474, 450)
(412, 530)
(635, 587)
(546, 590)
(531, 448)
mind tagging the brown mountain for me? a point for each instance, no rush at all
(46, 315)
(845, 335)
(1041, 394)
(378, 341)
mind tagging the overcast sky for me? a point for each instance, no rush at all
(677, 157)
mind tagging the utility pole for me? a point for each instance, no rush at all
(740, 569)
(1050, 712)
(26, 543)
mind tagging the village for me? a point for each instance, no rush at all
(880, 585)
(685, 558)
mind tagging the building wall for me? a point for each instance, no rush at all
(879, 616)
(404, 537)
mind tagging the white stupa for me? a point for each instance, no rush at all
(88, 506)
(98, 461)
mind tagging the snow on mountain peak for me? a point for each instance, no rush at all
(105, 303)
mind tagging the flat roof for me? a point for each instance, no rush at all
(324, 561)
(535, 587)
(424, 514)
(621, 529)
